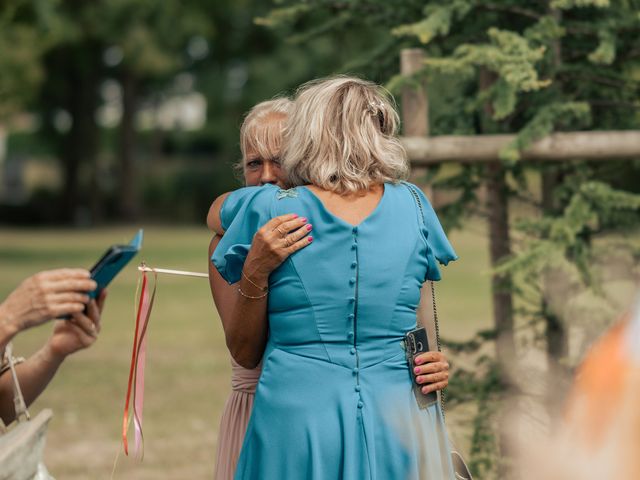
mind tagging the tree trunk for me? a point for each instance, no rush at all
(555, 330)
(501, 286)
(129, 207)
(415, 112)
(500, 247)
(80, 144)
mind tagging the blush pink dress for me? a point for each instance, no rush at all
(235, 418)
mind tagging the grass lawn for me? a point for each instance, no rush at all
(187, 376)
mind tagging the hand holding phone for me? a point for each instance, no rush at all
(113, 261)
(415, 343)
(110, 264)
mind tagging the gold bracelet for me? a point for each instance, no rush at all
(251, 296)
(264, 289)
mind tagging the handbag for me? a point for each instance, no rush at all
(460, 467)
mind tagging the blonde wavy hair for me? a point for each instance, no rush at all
(263, 127)
(341, 136)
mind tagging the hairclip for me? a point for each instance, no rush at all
(374, 107)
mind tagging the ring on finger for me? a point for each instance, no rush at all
(287, 241)
(282, 234)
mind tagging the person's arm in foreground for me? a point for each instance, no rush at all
(243, 305)
(68, 336)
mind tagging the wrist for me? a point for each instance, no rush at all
(50, 354)
(256, 278)
(9, 324)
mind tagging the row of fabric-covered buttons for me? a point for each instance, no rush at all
(352, 316)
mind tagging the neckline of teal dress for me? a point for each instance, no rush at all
(368, 218)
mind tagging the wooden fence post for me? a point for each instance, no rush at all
(415, 109)
(415, 105)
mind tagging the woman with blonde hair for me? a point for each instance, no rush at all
(335, 397)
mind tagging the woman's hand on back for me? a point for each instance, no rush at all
(274, 243)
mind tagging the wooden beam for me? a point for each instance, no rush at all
(595, 145)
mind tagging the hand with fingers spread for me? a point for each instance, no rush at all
(274, 242)
(45, 296)
(432, 371)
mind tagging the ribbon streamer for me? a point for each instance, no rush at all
(135, 384)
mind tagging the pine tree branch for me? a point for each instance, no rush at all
(511, 9)
(610, 103)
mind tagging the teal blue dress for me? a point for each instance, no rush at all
(334, 400)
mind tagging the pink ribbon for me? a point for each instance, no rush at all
(136, 369)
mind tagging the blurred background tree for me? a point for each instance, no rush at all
(120, 109)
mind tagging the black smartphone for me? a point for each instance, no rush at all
(415, 343)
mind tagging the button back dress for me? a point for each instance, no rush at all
(335, 398)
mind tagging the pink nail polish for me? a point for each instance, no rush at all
(303, 219)
(416, 370)
(309, 227)
(310, 239)
(295, 215)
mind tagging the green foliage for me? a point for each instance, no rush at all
(27, 29)
(153, 36)
(283, 16)
(437, 21)
(606, 51)
(482, 386)
(466, 182)
(544, 122)
(507, 54)
(484, 459)
(569, 4)
(593, 208)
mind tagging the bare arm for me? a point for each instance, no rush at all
(244, 317)
(244, 323)
(213, 217)
(37, 371)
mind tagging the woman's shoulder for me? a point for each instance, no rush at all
(256, 193)
(252, 198)
(406, 193)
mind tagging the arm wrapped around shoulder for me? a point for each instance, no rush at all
(241, 215)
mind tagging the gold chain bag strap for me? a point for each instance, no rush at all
(459, 465)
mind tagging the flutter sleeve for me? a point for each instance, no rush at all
(243, 212)
(439, 247)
